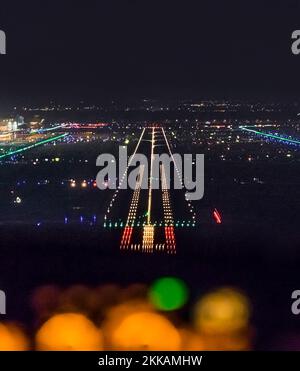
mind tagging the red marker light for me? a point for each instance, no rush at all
(217, 217)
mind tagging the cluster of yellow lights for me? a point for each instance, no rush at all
(160, 246)
(148, 235)
(148, 238)
(137, 247)
(73, 183)
(150, 179)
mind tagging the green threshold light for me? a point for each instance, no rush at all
(168, 293)
(279, 137)
(20, 150)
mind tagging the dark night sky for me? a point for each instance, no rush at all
(96, 48)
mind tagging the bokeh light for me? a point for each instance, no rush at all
(12, 338)
(225, 310)
(69, 331)
(133, 317)
(168, 293)
(146, 331)
(45, 300)
(191, 340)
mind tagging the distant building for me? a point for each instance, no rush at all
(11, 124)
(19, 120)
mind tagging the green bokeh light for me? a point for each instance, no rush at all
(168, 293)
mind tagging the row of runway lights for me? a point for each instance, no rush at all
(120, 224)
(274, 137)
(123, 177)
(72, 183)
(148, 230)
(190, 206)
(168, 215)
(83, 184)
(154, 224)
(126, 238)
(148, 234)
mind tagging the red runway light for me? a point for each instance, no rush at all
(217, 217)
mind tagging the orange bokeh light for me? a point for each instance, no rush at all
(146, 331)
(191, 340)
(69, 331)
(12, 338)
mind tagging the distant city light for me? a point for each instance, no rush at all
(18, 200)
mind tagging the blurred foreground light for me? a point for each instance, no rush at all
(12, 338)
(146, 331)
(45, 300)
(134, 292)
(191, 341)
(168, 293)
(223, 311)
(69, 331)
(116, 314)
